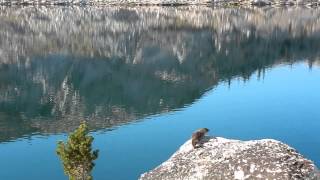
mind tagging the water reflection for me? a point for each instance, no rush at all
(112, 65)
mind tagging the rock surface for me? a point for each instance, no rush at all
(221, 158)
(159, 2)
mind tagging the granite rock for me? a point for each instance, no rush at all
(221, 158)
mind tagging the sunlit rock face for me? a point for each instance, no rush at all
(220, 158)
(105, 2)
(113, 65)
(160, 2)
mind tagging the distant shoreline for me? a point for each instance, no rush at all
(227, 3)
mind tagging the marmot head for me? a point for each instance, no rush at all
(205, 129)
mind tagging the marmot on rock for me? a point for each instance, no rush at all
(197, 136)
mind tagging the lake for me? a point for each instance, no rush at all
(144, 78)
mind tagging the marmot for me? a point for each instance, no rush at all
(197, 136)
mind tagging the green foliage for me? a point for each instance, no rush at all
(77, 155)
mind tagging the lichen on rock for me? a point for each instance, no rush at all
(221, 158)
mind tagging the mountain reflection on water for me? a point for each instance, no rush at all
(112, 65)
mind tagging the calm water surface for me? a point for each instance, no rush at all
(146, 77)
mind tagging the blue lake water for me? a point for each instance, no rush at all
(145, 78)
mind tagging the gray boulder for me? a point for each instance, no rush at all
(221, 158)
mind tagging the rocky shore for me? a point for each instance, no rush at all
(221, 158)
(161, 2)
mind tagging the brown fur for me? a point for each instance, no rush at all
(197, 136)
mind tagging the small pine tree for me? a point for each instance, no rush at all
(77, 155)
